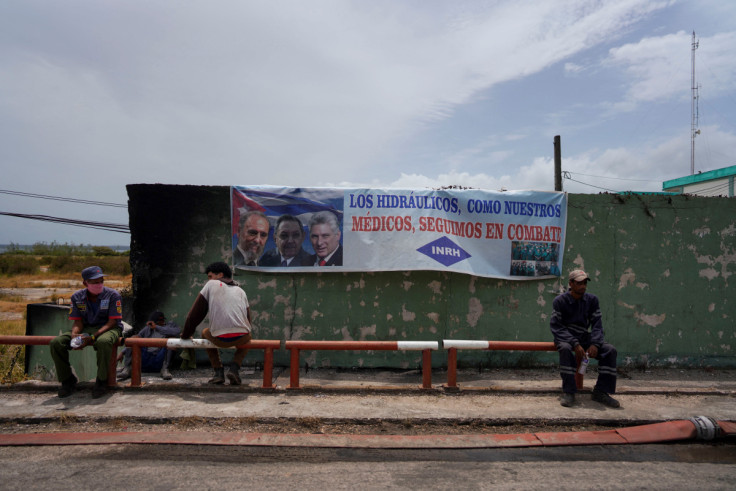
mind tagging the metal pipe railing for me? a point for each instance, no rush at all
(175, 343)
(452, 345)
(425, 346)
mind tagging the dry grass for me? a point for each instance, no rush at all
(44, 280)
(12, 357)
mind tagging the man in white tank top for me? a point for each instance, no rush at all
(229, 316)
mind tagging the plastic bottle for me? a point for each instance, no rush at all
(583, 365)
(78, 341)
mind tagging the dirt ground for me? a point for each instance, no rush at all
(290, 426)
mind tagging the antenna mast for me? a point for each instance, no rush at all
(694, 131)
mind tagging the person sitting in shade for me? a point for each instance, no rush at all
(577, 328)
(97, 315)
(230, 324)
(153, 359)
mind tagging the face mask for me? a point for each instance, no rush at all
(95, 288)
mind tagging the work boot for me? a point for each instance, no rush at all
(166, 374)
(100, 389)
(124, 374)
(232, 374)
(605, 399)
(219, 377)
(567, 399)
(67, 387)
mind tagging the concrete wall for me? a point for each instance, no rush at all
(661, 267)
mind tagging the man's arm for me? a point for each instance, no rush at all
(169, 330)
(597, 337)
(556, 324)
(195, 316)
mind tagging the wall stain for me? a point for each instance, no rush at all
(626, 279)
(475, 311)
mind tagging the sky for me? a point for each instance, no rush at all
(98, 94)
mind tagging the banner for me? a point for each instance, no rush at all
(511, 234)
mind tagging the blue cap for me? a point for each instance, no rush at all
(92, 273)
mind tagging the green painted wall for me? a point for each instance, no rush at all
(661, 267)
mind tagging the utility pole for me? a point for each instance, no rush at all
(558, 164)
(694, 131)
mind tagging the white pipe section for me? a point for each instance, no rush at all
(417, 345)
(464, 344)
(189, 343)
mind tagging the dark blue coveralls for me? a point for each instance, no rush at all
(569, 324)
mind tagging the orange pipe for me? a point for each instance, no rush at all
(28, 340)
(452, 367)
(521, 346)
(294, 369)
(343, 345)
(268, 368)
(427, 369)
(135, 363)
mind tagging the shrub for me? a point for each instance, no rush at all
(18, 264)
(117, 265)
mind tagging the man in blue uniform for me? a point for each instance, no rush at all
(98, 312)
(574, 312)
(152, 359)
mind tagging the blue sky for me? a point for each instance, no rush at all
(95, 95)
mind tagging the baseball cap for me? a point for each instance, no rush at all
(578, 275)
(92, 273)
(156, 316)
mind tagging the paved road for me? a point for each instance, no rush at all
(696, 466)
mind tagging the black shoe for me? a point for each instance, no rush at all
(166, 374)
(603, 398)
(219, 377)
(67, 387)
(100, 389)
(124, 374)
(232, 374)
(567, 399)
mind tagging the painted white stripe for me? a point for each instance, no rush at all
(189, 343)
(417, 345)
(464, 344)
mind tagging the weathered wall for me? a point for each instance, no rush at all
(661, 266)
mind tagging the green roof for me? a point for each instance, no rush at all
(700, 177)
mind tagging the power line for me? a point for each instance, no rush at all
(111, 227)
(616, 178)
(60, 198)
(566, 175)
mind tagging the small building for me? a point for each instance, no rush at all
(719, 182)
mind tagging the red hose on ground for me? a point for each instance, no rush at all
(699, 427)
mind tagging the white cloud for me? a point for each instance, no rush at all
(660, 67)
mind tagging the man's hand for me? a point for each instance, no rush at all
(152, 325)
(593, 351)
(579, 351)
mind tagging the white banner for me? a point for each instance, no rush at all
(511, 234)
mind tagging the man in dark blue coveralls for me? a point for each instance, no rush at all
(574, 312)
(98, 312)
